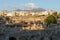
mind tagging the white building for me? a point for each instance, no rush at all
(11, 13)
(43, 13)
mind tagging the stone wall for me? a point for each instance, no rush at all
(33, 35)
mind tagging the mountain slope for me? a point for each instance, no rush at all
(38, 10)
(33, 10)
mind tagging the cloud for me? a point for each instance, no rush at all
(21, 6)
(11, 5)
(30, 5)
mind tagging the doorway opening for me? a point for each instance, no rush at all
(12, 38)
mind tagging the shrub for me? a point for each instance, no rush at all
(51, 19)
(7, 18)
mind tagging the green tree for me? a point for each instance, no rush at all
(55, 13)
(50, 19)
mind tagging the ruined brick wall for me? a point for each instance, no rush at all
(33, 35)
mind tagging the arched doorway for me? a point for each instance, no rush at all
(12, 38)
(23, 38)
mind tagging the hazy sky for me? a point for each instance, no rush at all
(29, 4)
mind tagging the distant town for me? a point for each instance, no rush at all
(25, 21)
(26, 17)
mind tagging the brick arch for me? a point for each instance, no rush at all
(46, 38)
(23, 38)
(42, 38)
(50, 38)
